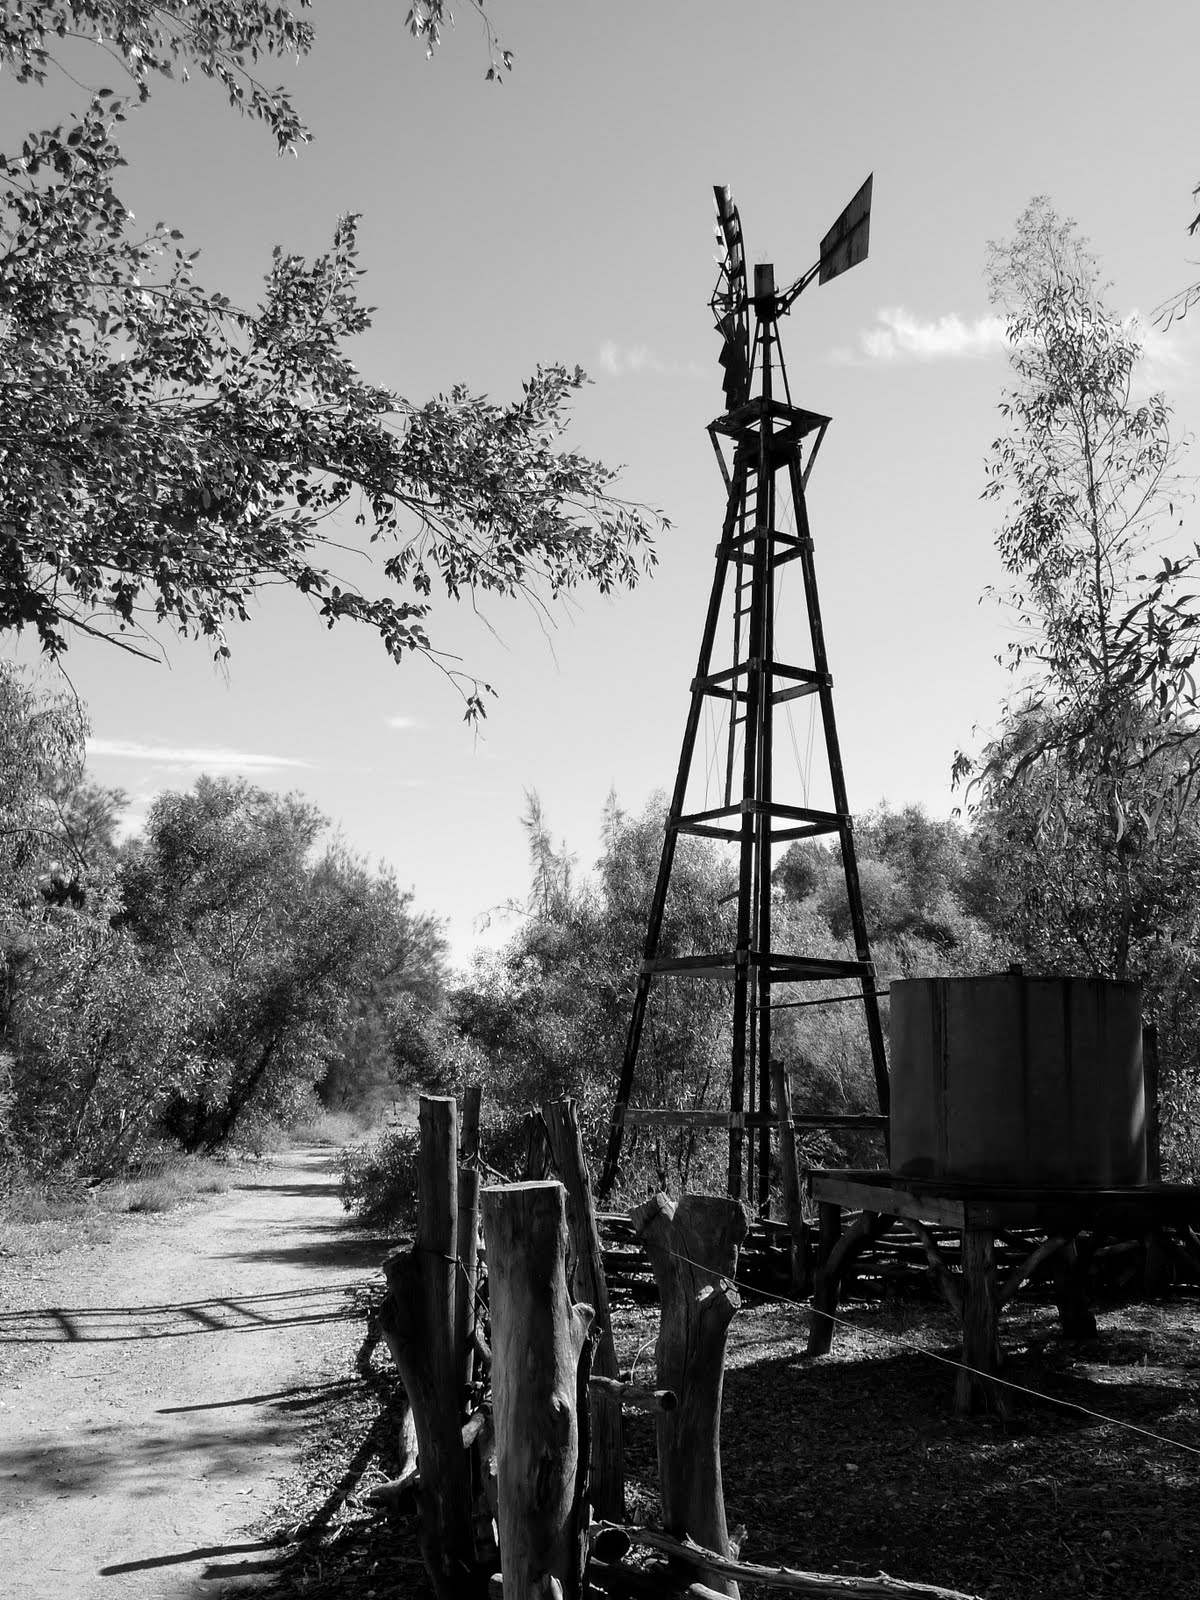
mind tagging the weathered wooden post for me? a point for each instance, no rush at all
(419, 1325)
(606, 1487)
(468, 1129)
(537, 1151)
(467, 1249)
(693, 1248)
(538, 1338)
(793, 1211)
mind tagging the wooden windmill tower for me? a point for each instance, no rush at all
(766, 447)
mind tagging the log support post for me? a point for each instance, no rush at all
(838, 1253)
(1070, 1294)
(693, 1248)
(538, 1339)
(606, 1487)
(419, 1325)
(980, 1326)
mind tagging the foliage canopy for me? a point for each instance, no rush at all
(166, 455)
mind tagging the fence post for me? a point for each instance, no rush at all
(538, 1339)
(419, 1322)
(606, 1488)
(793, 1211)
(693, 1248)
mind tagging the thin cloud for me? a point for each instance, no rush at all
(1168, 354)
(620, 361)
(901, 336)
(178, 758)
(402, 723)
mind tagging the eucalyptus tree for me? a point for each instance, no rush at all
(1093, 769)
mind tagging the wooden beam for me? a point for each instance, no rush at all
(945, 1281)
(1029, 1266)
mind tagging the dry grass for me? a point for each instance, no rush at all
(39, 1219)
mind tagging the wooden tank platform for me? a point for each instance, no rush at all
(975, 1292)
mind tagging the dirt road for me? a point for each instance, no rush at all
(154, 1389)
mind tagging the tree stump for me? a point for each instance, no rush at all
(606, 1486)
(538, 1338)
(419, 1325)
(693, 1248)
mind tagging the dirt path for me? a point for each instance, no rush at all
(154, 1388)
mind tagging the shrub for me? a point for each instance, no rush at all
(379, 1178)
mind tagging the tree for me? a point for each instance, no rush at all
(277, 949)
(550, 1010)
(165, 455)
(41, 759)
(1097, 752)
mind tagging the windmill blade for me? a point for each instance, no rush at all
(730, 302)
(845, 245)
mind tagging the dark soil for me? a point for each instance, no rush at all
(854, 1462)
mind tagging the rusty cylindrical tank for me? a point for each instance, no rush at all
(1008, 1080)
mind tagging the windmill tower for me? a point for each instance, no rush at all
(766, 448)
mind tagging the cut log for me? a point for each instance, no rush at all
(824, 1584)
(418, 1323)
(693, 1248)
(538, 1338)
(606, 1487)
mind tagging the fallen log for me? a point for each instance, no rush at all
(822, 1585)
(634, 1396)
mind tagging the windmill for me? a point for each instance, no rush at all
(765, 448)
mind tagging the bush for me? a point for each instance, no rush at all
(379, 1178)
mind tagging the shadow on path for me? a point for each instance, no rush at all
(233, 1314)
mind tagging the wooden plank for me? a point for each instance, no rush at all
(663, 1117)
(794, 693)
(859, 1195)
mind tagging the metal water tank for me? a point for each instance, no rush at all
(1009, 1080)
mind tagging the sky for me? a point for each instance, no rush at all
(566, 215)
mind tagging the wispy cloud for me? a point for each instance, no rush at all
(179, 757)
(620, 361)
(402, 723)
(901, 336)
(1169, 355)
